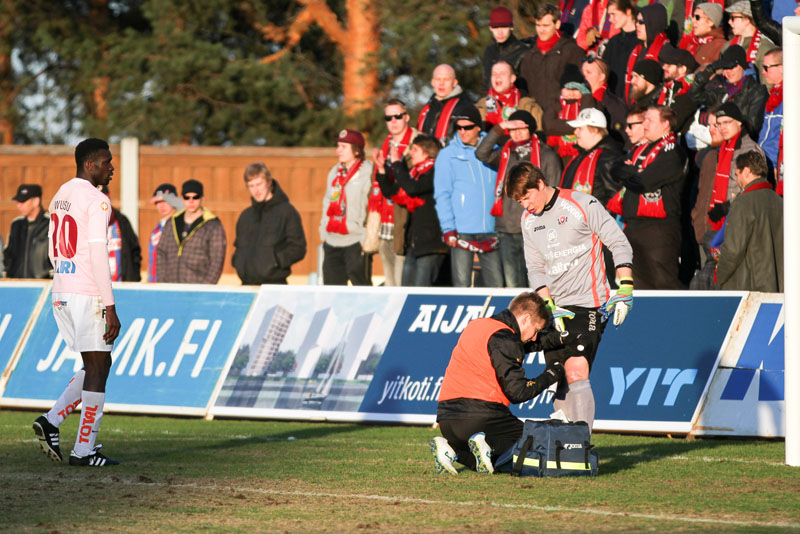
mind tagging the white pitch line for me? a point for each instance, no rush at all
(415, 500)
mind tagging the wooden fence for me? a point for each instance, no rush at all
(301, 173)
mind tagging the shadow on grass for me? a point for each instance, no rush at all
(617, 458)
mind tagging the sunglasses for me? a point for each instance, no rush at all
(632, 124)
(467, 127)
(639, 21)
(734, 17)
(190, 197)
(388, 118)
(698, 17)
(767, 67)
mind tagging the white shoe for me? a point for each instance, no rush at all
(482, 452)
(443, 456)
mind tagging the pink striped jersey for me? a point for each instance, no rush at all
(564, 248)
(79, 215)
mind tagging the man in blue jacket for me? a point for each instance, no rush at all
(464, 192)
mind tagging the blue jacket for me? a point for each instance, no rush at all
(770, 133)
(463, 188)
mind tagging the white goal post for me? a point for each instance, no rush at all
(791, 234)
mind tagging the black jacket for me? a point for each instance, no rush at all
(617, 53)
(436, 107)
(605, 184)
(507, 353)
(423, 234)
(269, 240)
(131, 252)
(751, 99)
(26, 253)
(664, 177)
(511, 51)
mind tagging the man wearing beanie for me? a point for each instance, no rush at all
(543, 65)
(463, 189)
(506, 47)
(734, 85)
(192, 248)
(707, 38)
(646, 83)
(746, 35)
(651, 23)
(524, 145)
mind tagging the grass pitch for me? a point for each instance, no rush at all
(189, 475)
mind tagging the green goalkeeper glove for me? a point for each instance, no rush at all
(622, 302)
(559, 314)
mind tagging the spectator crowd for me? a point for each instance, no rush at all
(669, 113)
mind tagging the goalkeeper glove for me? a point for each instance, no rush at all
(559, 314)
(622, 302)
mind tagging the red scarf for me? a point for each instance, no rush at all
(691, 43)
(403, 198)
(650, 204)
(444, 119)
(584, 174)
(565, 144)
(508, 100)
(775, 97)
(600, 92)
(722, 177)
(377, 202)
(337, 209)
(545, 46)
(668, 90)
(499, 185)
(479, 246)
(652, 53)
(598, 8)
(752, 50)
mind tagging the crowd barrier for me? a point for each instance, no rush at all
(683, 362)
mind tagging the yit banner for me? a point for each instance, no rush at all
(174, 345)
(649, 374)
(17, 304)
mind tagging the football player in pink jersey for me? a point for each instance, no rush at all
(83, 303)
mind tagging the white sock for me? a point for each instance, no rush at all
(91, 414)
(576, 400)
(69, 400)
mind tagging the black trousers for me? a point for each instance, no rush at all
(502, 431)
(656, 251)
(341, 264)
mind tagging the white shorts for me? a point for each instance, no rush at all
(81, 320)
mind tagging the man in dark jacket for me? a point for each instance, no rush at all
(619, 48)
(435, 117)
(751, 256)
(543, 65)
(483, 377)
(651, 202)
(269, 234)
(506, 47)
(26, 253)
(732, 86)
(523, 146)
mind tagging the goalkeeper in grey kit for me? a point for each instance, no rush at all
(564, 232)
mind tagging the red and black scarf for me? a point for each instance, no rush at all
(719, 193)
(565, 144)
(650, 204)
(509, 99)
(752, 49)
(444, 118)
(652, 53)
(669, 91)
(376, 201)
(584, 174)
(403, 198)
(337, 209)
(499, 185)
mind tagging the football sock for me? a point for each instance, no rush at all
(69, 400)
(576, 400)
(91, 415)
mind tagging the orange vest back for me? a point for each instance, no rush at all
(470, 374)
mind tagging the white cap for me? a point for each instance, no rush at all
(590, 117)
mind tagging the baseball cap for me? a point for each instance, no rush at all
(26, 191)
(590, 117)
(353, 137)
(734, 55)
(677, 56)
(167, 193)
